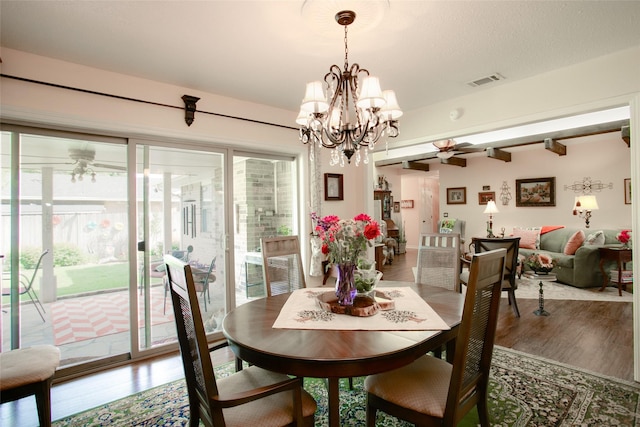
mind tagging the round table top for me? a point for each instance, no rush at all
(335, 353)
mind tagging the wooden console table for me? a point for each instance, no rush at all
(621, 256)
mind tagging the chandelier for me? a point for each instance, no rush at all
(353, 114)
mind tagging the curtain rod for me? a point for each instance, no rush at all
(126, 98)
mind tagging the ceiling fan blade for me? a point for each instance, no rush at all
(105, 166)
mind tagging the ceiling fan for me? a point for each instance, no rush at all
(448, 147)
(83, 163)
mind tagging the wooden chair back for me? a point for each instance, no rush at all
(192, 337)
(439, 260)
(282, 264)
(511, 244)
(289, 404)
(476, 335)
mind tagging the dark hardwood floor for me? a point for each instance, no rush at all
(591, 335)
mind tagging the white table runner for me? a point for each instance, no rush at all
(411, 313)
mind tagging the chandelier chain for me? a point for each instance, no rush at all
(346, 49)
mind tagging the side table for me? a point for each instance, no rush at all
(621, 256)
(549, 277)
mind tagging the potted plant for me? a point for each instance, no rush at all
(402, 239)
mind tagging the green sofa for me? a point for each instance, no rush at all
(581, 270)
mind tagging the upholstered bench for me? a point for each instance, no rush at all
(28, 371)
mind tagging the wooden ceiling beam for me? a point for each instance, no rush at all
(588, 130)
(415, 166)
(555, 147)
(496, 153)
(455, 161)
(625, 132)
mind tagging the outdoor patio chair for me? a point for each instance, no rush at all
(251, 396)
(432, 392)
(202, 281)
(26, 287)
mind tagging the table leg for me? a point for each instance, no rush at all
(605, 277)
(540, 311)
(334, 401)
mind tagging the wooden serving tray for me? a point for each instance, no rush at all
(363, 306)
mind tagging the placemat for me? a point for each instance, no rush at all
(301, 311)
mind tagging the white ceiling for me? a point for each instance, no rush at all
(265, 51)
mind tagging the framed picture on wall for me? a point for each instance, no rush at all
(396, 207)
(536, 192)
(627, 191)
(333, 186)
(485, 196)
(457, 196)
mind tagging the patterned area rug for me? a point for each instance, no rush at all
(524, 391)
(83, 318)
(530, 289)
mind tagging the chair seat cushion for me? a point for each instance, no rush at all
(272, 410)
(28, 365)
(421, 386)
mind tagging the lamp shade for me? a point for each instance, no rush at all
(391, 110)
(370, 93)
(314, 99)
(585, 203)
(491, 208)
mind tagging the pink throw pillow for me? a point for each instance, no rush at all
(574, 242)
(528, 238)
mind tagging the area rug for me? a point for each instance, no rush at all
(530, 289)
(83, 318)
(524, 391)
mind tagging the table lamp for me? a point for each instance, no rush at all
(583, 205)
(491, 209)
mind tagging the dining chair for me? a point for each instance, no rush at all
(29, 371)
(26, 286)
(282, 264)
(439, 260)
(433, 392)
(250, 396)
(511, 244)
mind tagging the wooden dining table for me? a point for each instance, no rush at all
(335, 354)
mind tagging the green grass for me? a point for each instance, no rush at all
(91, 278)
(83, 279)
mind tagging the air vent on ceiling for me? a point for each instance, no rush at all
(484, 80)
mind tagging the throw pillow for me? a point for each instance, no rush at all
(596, 238)
(548, 228)
(574, 242)
(447, 225)
(529, 239)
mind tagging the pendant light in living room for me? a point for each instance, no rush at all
(349, 113)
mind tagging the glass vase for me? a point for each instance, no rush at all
(345, 283)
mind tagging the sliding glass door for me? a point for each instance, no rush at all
(65, 243)
(181, 212)
(87, 220)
